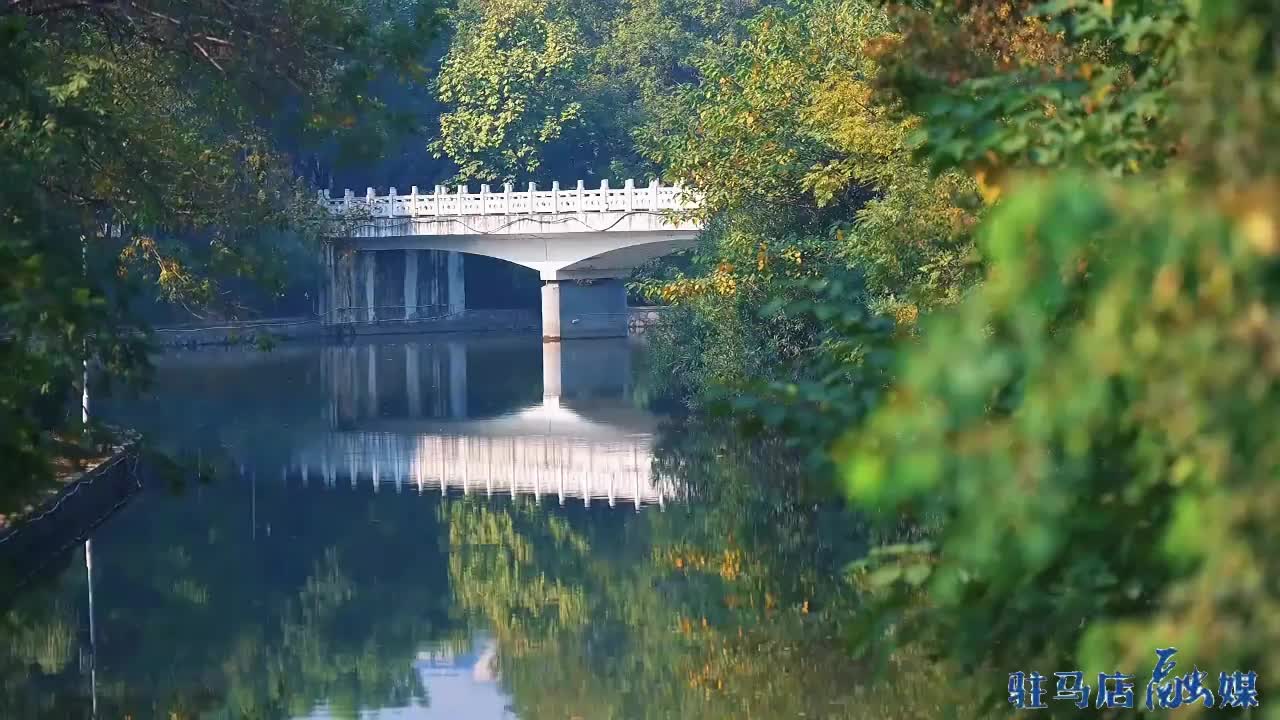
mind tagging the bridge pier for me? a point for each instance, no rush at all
(584, 309)
(456, 283)
(370, 280)
(551, 377)
(410, 284)
(350, 291)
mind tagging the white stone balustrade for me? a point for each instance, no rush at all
(508, 201)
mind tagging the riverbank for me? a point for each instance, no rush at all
(77, 500)
(273, 330)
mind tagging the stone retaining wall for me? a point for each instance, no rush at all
(66, 519)
(641, 319)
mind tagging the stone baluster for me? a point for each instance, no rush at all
(484, 199)
(604, 194)
(348, 197)
(555, 196)
(533, 189)
(391, 202)
(653, 195)
(413, 201)
(462, 194)
(506, 197)
(370, 198)
(630, 188)
(581, 197)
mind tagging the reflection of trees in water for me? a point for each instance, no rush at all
(37, 641)
(197, 615)
(733, 606)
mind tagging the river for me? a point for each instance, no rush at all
(451, 527)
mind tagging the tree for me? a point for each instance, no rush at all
(508, 79)
(808, 175)
(556, 89)
(136, 145)
(1085, 432)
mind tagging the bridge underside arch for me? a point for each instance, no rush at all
(572, 256)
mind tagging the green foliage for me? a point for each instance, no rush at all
(1086, 431)
(1044, 84)
(555, 89)
(833, 383)
(809, 179)
(135, 144)
(785, 136)
(509, 79)
(1078, 439)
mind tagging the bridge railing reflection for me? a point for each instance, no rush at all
(540, 466)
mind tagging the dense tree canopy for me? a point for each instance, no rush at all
(139, 143)
(555, 89)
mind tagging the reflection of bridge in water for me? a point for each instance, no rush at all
(399, 419)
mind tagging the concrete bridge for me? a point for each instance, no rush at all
(582, 242)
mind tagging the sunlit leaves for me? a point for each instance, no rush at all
(1040, 83)
(508, 82)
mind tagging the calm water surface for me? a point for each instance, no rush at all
(447, 528)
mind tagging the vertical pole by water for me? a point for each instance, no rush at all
(93, 637)
(88, 543)
(84, 385)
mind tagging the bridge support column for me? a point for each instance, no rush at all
(370, 275)
(457, 283)
(583, 309)
(551, 374)
(328, 284)
(551, 313)
(410, 284)
(340, 298)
